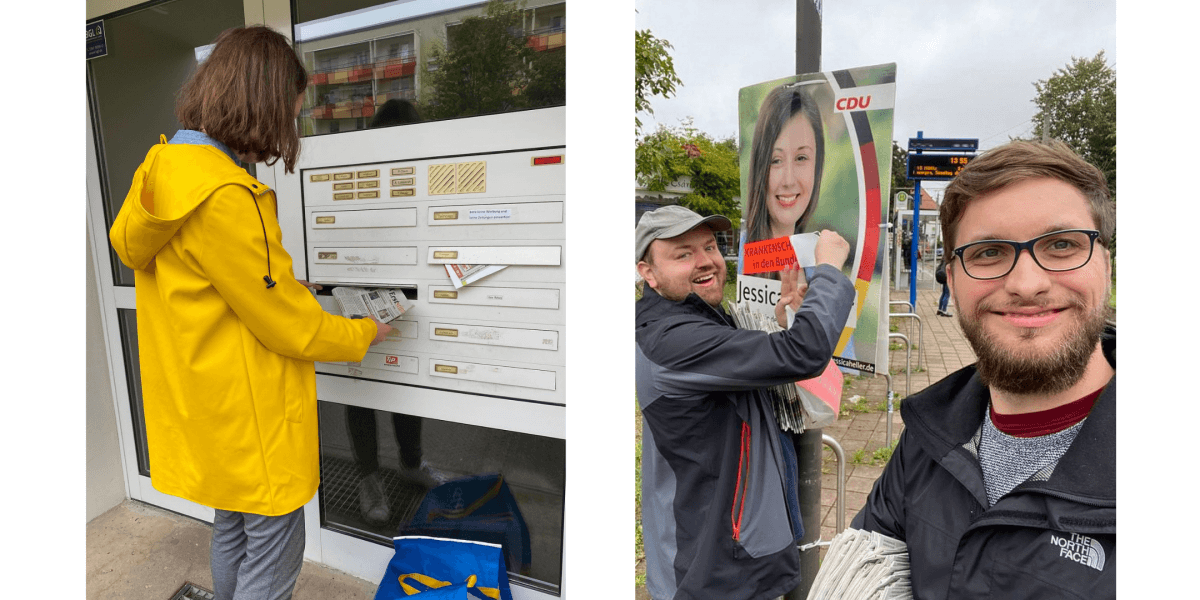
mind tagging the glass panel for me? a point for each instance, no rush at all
(389, 63)
(151, 52)
(127, 319)
(386, 474)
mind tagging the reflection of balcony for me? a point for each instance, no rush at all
(384, 68)
(357, 107)
(384, 96)
(547, 38)
(346, 109)
(340, 76)
(395, 67)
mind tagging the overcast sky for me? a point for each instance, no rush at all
(964, 69)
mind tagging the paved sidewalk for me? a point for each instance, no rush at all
(943, 350)
(139, 552)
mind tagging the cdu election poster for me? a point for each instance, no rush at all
(816, 154)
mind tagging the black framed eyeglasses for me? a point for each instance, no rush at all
(1056, 251)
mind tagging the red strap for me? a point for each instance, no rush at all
(738, 511)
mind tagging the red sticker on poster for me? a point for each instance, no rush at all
(767, 255)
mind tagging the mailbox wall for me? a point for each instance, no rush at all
(404, 223)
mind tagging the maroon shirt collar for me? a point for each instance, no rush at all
(1045, 422)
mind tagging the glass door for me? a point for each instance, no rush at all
(152, 48)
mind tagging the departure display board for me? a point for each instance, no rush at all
(936, 166)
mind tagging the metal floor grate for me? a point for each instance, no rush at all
(339, 489)
(191, 591)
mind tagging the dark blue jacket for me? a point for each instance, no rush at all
(720, 516)
(1053, 536)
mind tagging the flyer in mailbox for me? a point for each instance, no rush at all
(461, 275)
(816, 154)
(384, 304)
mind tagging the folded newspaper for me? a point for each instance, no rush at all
(863, 565)
(385, 304)
(808, 404)
(461, 275)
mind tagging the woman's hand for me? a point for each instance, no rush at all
(382, 330)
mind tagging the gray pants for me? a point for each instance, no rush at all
(256, 557)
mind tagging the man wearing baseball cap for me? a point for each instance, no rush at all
(720, 516)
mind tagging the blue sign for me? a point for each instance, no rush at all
(95, 40)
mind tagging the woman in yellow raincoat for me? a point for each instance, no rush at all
(227, 335)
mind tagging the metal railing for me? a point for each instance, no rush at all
(840, 505)
(907, 380)
(920, 333)
(840, 455)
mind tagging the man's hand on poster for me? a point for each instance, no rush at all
(791, 291)
(832, 249)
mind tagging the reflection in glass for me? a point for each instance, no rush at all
(385, 474)
(456, 61)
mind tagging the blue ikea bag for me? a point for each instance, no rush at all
(444, 569)
(480, 508)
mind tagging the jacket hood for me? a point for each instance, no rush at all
(167, 187)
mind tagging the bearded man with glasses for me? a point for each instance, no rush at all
(1004, 480)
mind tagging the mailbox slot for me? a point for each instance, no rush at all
(508, 376)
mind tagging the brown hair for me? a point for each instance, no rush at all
(779, 107)
(244, 95)
(1020, 160)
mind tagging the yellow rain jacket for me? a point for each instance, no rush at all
(228, 385)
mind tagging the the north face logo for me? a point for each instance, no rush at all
(1081, 549)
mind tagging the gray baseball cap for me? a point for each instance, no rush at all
(672, 221)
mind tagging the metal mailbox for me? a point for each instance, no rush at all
(503, 336)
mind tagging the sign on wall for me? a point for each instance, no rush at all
(96, 47)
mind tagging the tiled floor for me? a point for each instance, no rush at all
(944, 350)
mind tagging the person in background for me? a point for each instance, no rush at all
(939, 274)
(1004, 479)
(227, 335)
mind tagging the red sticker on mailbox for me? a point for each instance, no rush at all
(391, 360)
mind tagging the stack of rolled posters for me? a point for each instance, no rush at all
(863, 565)
(787, 398)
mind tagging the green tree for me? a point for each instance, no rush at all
(487, 67)
(548, 80)
(1078, 105)
(654, 73)
(670, 153)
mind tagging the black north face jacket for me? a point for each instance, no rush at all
(1054, 536)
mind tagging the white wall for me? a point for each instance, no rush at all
(105, 477)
